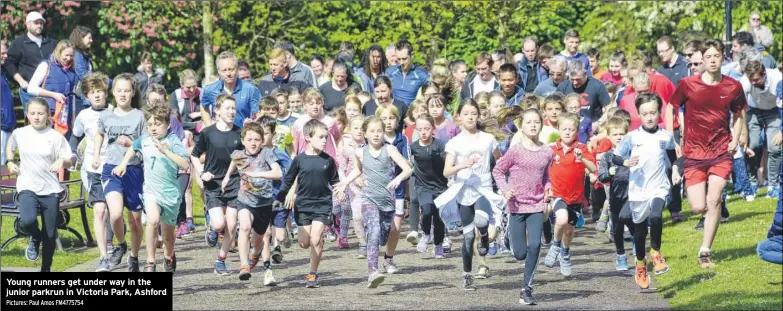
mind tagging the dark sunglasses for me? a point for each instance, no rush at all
(694, 64)
(688, 55)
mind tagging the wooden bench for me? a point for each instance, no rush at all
(10, 208)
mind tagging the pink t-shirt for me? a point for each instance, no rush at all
(300, 145)
(528, 177)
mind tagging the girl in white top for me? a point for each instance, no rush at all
(43, 152)
(468, 160)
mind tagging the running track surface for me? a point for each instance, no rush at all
(422, 282)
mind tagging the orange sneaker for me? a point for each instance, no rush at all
(642, 278)
(244, 273)
(659, 264)
(704, 261)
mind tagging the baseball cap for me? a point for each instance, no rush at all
(34, 16)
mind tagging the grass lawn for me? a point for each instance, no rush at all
(74, 253)
(740, 280)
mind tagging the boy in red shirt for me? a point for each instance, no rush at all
(567, 176)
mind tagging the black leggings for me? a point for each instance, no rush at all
(29, 206)
(656, 229)
(621, 217)
(525, 234)
(184, 181)
(467, 215)
(413, 209)
(430, 217)
(597, 199)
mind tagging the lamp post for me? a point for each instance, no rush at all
(728, 26)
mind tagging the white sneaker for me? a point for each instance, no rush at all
(412, 237)
(269, 278)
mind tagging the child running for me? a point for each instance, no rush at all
(315, 171)
(649, 153)
(43, 153)
(257, 167)
(428, 155)
(468, 160)
(567, 175)
(121, 126)
(527, 166)
(353, 140)
(376, 161)
(390, 116)
(164, 154)
(95, 86)
(218, 141)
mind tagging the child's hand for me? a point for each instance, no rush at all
(206, 176)
(340, 196)
(224, 184)
(56, 166)
(593, 178)
(612, 170)
(162, 146)
(276, 204)
(750, 152)
(676, 178)
(119, 170)
(632, 161)
(96, 162)
(124, 141)
(13, 168)
(578, 154)
(393, 184)
(359, 182)
(778, 139)
(289, 200)
(508, 194)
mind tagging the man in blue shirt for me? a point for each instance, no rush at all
(244, 92)
(674, 66)
(406, 77)
(571, 52)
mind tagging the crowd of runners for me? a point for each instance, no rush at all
(512, 151)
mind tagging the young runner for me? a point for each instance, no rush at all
(708, 143)
(43, 153)
(376, 161)
(95, 86)
(428, 155)
(445, 130)
(567, 174)
(527, 166)
(389, 115)
(346, 154)
(315, 171)
(121, 126)
(217, 142)
(163, 155)
(649, 153)
(257, 167)
(468, 159)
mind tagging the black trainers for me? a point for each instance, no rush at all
(700, 225)
(467, 283)
(483, 246)
(119, 252)
(170, 265)
(312, 281)
(33, 248)
(133, 264)
(526, 296)
(277, 255)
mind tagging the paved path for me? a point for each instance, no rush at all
(422, 283)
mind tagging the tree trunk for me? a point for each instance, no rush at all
(206, 21)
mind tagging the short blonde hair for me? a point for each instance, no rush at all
(276, 53)
(390, 108)
(353, 100)
(313, 94)
(568, 117)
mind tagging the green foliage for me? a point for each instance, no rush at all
(172, 31)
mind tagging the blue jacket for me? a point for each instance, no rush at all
(60, 81)
(522, 72)
(245, 93)
(405, 88)
(82, 64)
(516, 100)
(777, 222)
(9, 117)
(401, 142)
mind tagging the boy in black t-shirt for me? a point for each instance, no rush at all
(315, 173)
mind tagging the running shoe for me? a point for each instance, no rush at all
(109, 247)
(467, 282)
(621, 263)
(446, 244)
(388, 264)
(33, 248)
(493, 248)
(551, 256)
(600, 225)
(659, 263)
(439, 254)
(170, 265)
(269, 278)
(642, 279)
(277, 255)
(252, 261)
(330, 236)
(580, 222)
(191, 225)
(312, 281)
(103, 265)
(151, 267)
(483, 272)
(288, 239)
(220, 267)
(244, 273)
(676, 217)
(526, 296)
(133, 264)
(119, 252)
(211, 237)
(412, 237)
(565, 265)
(375, 279)
(342, 243)
(421, 247)
(700, 224)
(361, 252)
(705, 260)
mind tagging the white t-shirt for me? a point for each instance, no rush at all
(764, 97)
(86, 124)
(466, 146)
(483, 86)
(38, 150)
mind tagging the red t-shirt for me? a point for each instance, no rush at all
(660, 85)
(566, 174)
(707, 115)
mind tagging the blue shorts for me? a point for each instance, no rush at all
(130, 185)
(279, 218)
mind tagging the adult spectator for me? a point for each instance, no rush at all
(27, 52)
(674, 66)
(761, 34)
(383, 97)
(406, 77)
(771, 248)
(745, 39)
(186, 101)
(482, 79)
(530, 70)
(298, 70)
(507, 78)
(243, 70)
(391, 54)
(279, 75)
(146, 75)
(334, 92)
(759, 84)
(499, 58)
(692, 52)
(594, 56)
(713, 107)
(459, 72)
(319, 69)
(81, 37)
(545, 53)
(660, 85)
(594, 95)
(374, 64)
(695, 60)
(557, 71)
(346, 53)
(246, 94)
(6, 104)
(55, 79)
(571, 51)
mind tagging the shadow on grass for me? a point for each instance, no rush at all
(735, 301)
(671, 290)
